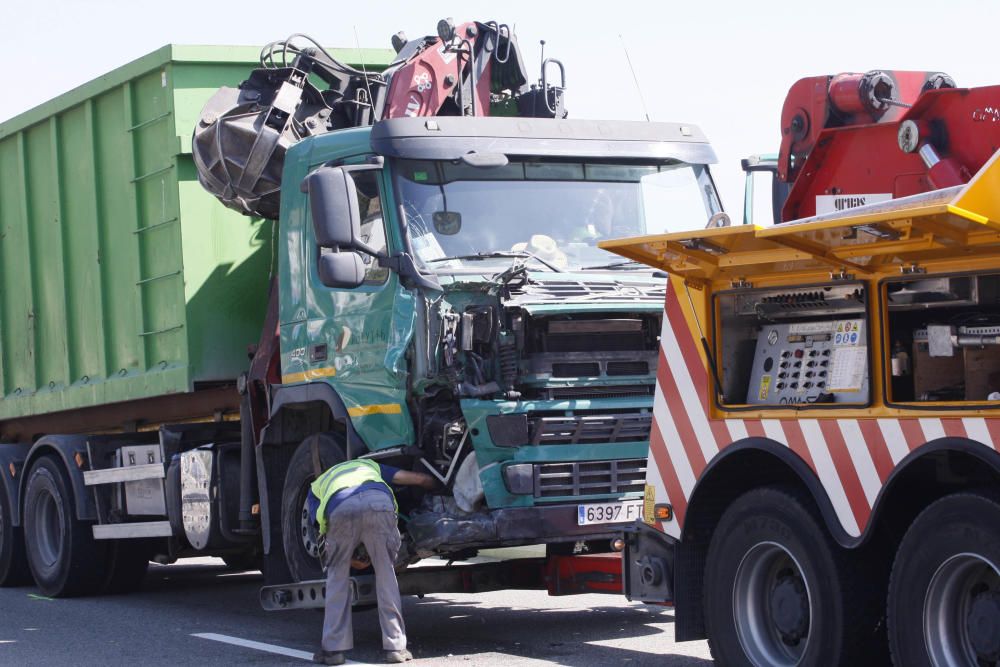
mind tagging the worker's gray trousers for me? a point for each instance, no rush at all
(367, 517)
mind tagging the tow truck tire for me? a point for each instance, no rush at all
(299, 540)
(780, 592)
(64, 558)
(944, 591)
(13, 562)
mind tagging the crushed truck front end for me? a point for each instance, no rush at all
(517, 361)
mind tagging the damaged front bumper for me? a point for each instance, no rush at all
(443, 528)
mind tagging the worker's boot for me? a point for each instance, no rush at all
(329, 657)
(398, 656)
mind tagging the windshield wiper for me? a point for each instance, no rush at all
(630, 263)
(498, 255)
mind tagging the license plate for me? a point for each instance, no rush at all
(625, 511)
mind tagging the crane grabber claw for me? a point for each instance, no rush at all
(301, 89)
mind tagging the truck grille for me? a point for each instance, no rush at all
(587, 478)
(608, 391)
(558, 290)
(562, 430)
(628, 368)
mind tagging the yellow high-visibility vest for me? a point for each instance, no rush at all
(345, 475)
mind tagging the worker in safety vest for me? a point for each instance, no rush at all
(353, 505)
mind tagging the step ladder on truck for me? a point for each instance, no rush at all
(823, 484)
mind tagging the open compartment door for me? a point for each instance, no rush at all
(722, 253)
(963, 221)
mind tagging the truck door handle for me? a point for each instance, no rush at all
(317, 352)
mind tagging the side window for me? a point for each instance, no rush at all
(372, 224)
(794, 346)
(944, 339)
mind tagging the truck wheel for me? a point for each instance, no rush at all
(944, 592)
(299, 533)
(64, 558)
(13, 563)
(779, 592)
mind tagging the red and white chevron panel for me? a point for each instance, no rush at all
(851, 457)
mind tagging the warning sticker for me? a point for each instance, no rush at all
(765, 387)
(848, 333)
(649, 504)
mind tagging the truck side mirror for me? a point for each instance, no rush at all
(333, 199)
(341, 270)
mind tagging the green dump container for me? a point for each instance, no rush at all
(120, 278)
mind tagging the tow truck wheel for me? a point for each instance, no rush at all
(778, 591)
(64, 558)
(299, 533)
(13, 563)
(944, 592)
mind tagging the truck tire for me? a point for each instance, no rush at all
(13, 562)
(780, 592)
(63, 556)
(299, 534)
(944, 591)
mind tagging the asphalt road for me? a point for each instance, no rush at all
(160, 624)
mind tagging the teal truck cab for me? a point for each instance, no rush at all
(443, 307)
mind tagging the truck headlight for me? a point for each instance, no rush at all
(520, 478)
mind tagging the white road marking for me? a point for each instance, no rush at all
(267, 648)
(258, 646)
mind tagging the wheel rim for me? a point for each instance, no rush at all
(309, 529)
(48, 529)
(962, 612)
(772, 606)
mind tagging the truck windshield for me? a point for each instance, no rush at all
(548, 214)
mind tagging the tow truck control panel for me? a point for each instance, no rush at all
(809, 362)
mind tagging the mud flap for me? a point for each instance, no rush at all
(648, 564)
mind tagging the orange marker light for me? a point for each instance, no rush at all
(663, 512)
(13, 470)
(78, 457)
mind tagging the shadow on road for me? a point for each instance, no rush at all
(440, 628)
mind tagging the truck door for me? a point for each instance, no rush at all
(356, 339)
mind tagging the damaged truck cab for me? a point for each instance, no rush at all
(444, 307)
